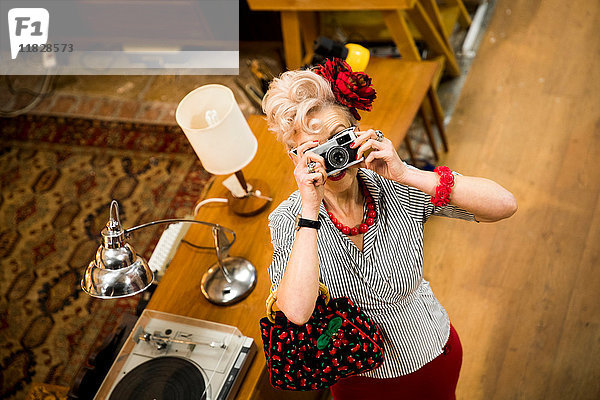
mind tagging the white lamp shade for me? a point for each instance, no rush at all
(216, 128)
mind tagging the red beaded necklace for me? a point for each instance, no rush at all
(368, 220)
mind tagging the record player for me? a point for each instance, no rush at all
(170, 357)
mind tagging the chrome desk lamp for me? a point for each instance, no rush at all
(118, 271)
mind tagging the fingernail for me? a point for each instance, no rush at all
(357, 156)
(352, 145)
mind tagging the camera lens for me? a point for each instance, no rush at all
(338, 157)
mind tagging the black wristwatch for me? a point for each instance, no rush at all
(306, 223)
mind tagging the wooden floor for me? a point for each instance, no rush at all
(524, 294)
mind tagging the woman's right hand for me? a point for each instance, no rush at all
(311, 185)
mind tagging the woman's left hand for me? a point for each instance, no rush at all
(383, 159)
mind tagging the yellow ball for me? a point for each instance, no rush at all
(358, 57)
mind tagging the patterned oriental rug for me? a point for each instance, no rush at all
(58, 176)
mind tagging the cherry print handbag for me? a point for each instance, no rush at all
(338, 340)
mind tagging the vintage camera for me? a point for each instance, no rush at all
(337, 152)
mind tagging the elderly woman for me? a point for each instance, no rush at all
(368, 243)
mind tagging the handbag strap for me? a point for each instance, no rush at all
(273, 298)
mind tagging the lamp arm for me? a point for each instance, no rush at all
(170, 221)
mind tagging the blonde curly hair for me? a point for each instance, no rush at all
(291, 101)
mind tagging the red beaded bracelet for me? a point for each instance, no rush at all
(443, 190)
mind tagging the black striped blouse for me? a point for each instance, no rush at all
(386, 279)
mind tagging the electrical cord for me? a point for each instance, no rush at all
(195, 246)
(17, 91)
(196, 210)
(207, 201)
(46, 90)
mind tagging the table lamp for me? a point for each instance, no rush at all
(219, 134)
(118, 271)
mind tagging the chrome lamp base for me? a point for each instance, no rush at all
(218, 290)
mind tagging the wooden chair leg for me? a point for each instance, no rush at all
(309, 22)
(292, 46)
(409, 149)
(433, 11)
(430, 34)
(438, 114)
(464, 19)
(396, 24)
(428, 130)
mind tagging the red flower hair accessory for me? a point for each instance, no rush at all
(351, 89)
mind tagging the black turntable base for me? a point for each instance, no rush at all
(162, 378)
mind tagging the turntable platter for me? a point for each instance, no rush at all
(162, 378)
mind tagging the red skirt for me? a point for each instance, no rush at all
(436, 380)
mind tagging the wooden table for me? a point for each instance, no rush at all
(299, 25)
(179, 291)
(403, 89)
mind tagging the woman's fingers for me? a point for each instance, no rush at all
(300, 150)
(323, 173)
(315, 175)
(303, 154)
(369, 144)
(363, 136)
(310, 156)
(314, 179)
(318, 177)
(374, 155)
